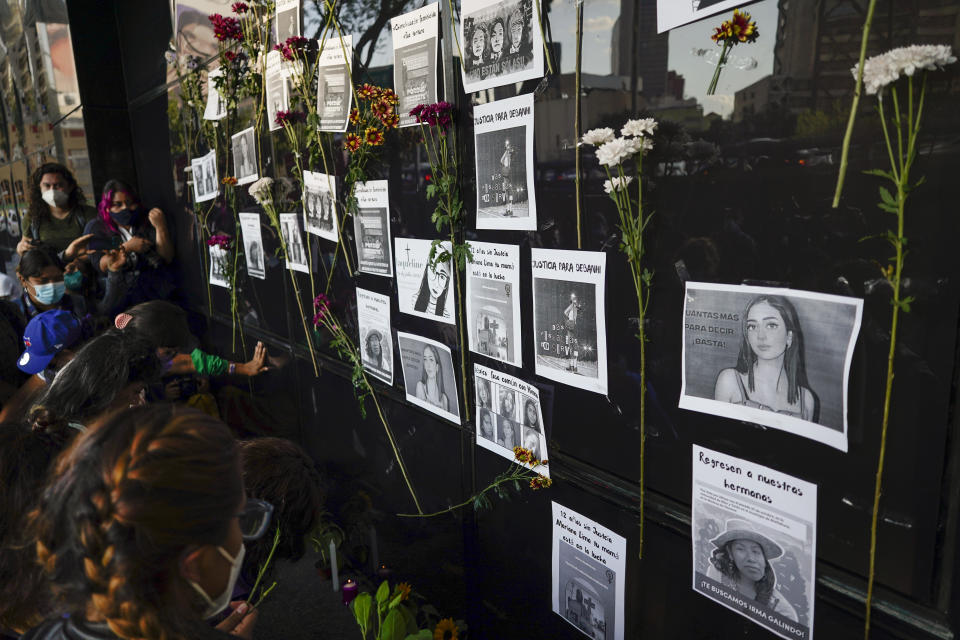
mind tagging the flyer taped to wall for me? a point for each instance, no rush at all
(423, 289)
(371, 227)
(493, 301)
(216, 107)
(415, 59)
(509, 415)
(754, 542)
(293, 238)
(673, 13)
(218, 264)
(320, 204)
(376, 341)
(589, 574)
(253, 244)
(276, 89)
(503, 136)
(206, 183)
(502, 43)
(244, 147)
(428, 375)
(570, 338)
(771, 356)
(287, 24)
(334, 91)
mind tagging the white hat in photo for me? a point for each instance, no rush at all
(742, 530)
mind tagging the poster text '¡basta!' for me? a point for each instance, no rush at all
(711, 329)
(570, 267)
(502, 115)
(585, 532)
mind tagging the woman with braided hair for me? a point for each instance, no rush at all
(141, 529)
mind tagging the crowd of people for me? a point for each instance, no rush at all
(128, 509)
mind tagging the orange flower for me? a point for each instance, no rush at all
(389, 95)
(446, 630)
(353, 142)
(523, 455)
(230, 180)
(540, 482)
(354, 116)
(738, 29)
(404, 589)
(381, 108)
(367, 91)
(373, 136)
(391, 121)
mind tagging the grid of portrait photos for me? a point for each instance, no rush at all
(206, 184)
(509, 415)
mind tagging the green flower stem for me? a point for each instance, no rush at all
(266, 565)
(576, 118)
(543, 37)
(453, 29)
(712, 89)
(857, 91)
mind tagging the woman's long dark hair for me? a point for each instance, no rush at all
(722, 559)
(423, 296)
(35, 260)
(526, 406)
(423, 371)
(25, 458)
(86, 386)
(37, 209)
(124, 504)
(106, 201)
(793, 362)
(163, 323)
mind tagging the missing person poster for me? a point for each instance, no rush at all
(570, 338)
(502, 43)
(423, 289)
(206, 184)
(776, 357)
(503, 133)
(253, 244)
(415, 59)
(754, 541)
(218, 263)
(589, 574)
(244, 149)
(371, 227)
(296, 249)
(673, 13)
(509, 415)
(376, 341)
(493, 301)
(216, 108)
(428, 375)
(320, 204)
(334, 93)
(288, 19)
(277, 91)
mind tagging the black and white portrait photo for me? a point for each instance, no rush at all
(216, 107)
(415, 38)
(319, 204)
(218, 260)
(754, 550)
(428, 375)
(253, 244)
(776, 357)
(673, 13)
(371, 226)
(276, 89)
(243, 146)
(334, 94)
(589, 566)
(376, 343)
(515, 418)
(503, 136)
(297, 258)
(288, 20)
(206, 186)
(493, 301)
(423, 289)
(502, 43)
(568, 317)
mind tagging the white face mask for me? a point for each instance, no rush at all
(55, 197)
(218, 604)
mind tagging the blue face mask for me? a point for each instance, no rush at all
(49, 293)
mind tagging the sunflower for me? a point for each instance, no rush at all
(446, 630)
(373, 137)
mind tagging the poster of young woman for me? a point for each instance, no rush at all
(428, 375)
(334, 94)
(218, 259)
(589, 574)
(244, 156)
(415, 59)
(502, 43)
(776, 357)
(493, 301)
(296, 249)
(376, 341)
(371, 227)
(508, 415)
(253, 244)
(216, 108)
(288, 19)
(206, 184)
(754, 542)
(570, 338)
(423, 290)
(503, 133)
(320, 204)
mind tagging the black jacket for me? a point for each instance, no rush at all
(73, 629)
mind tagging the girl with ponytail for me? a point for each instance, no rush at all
(142, 527)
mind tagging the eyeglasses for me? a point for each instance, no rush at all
(255, 518)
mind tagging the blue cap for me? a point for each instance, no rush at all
(47, 334)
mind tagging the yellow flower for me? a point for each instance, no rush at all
(446, 630)
(404, 590)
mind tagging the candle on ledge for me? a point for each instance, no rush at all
(333, 566)
(384, 572)
(349, 591)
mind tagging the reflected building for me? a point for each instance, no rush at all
(637, 48)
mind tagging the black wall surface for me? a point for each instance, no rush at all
(768, 216)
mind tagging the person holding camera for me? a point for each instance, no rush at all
(57, 213)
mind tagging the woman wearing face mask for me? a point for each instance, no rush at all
(40, 273)
(142, 529)
(57, 212)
